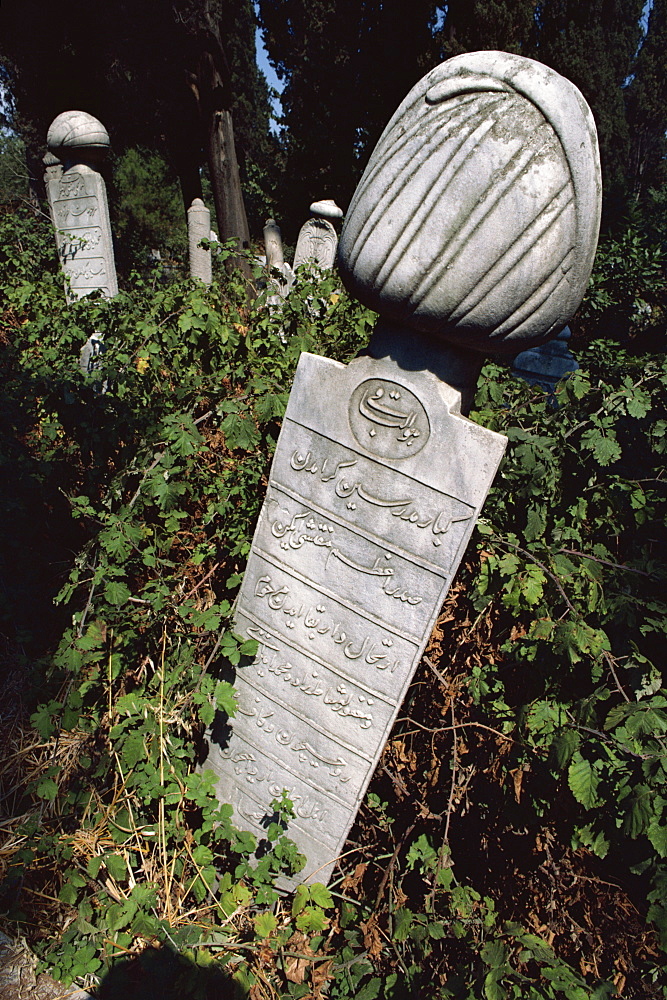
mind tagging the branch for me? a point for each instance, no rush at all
(605, 562)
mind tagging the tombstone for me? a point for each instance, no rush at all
(318, 240)
(199, 228)
(472, 231)
(281, 276)
(78, 202)
(546, 365)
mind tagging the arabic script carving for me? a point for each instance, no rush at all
(406, 508)
(307, 754)
(387, 419)
(316, 622)
(340, 700)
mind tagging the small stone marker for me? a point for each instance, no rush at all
(275, 262)
(547, 364)
(199, 228)
(318, 240)
(378, 479)
(79, 204)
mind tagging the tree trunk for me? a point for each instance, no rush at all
(225, 180)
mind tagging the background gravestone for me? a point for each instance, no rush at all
(79, 204)
(199, 228)
(547, 364)
(473, 229)
(318, 239)
(80, 213)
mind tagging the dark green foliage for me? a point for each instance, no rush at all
(548, 662)
(142, 69)
(347, 68)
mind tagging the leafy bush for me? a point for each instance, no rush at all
(538, 717)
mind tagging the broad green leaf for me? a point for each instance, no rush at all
(116, 592)
(116, 866)
(265, 924)
(583, 781)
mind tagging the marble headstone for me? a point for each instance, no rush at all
(78, 201)
(281, 276)
(473, 230)
(318, 239)
(199, 228)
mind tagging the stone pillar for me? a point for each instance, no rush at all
(281, 275)
(199, 228)
(469, 236)
(78, 202)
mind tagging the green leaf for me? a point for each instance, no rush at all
(265, 924)
(583, 781)
(240, 432)
(116, 866)
(47, 789)
(657, 834)
(116, 592)
(321, 896)
(225, 698)
(370, 990)
(535, 524)
(301, 897)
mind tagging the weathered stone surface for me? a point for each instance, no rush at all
(53, 171)
(374, 491)
(316, 244)
(477, 217)
(78, 203)
(281, 274)
(199, 228)
(547, 364)
(327, 209)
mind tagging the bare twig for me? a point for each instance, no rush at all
(201, 582)
(455, 767)
(605, 562)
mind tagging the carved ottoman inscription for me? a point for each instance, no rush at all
(368, 512)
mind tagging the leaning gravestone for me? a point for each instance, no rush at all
(281, 276)
(53, 171)
(472, 230)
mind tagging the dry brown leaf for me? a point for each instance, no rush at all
(352, 882)
(296, 968)
(319, 977)
(372, 940)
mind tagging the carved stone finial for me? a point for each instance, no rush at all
(476, 220)
(77, 132)
(327, 209)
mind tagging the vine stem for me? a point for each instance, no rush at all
(605, 562)
(452, 787)
(161, 816)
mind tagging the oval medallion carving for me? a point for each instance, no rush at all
(387, 419)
